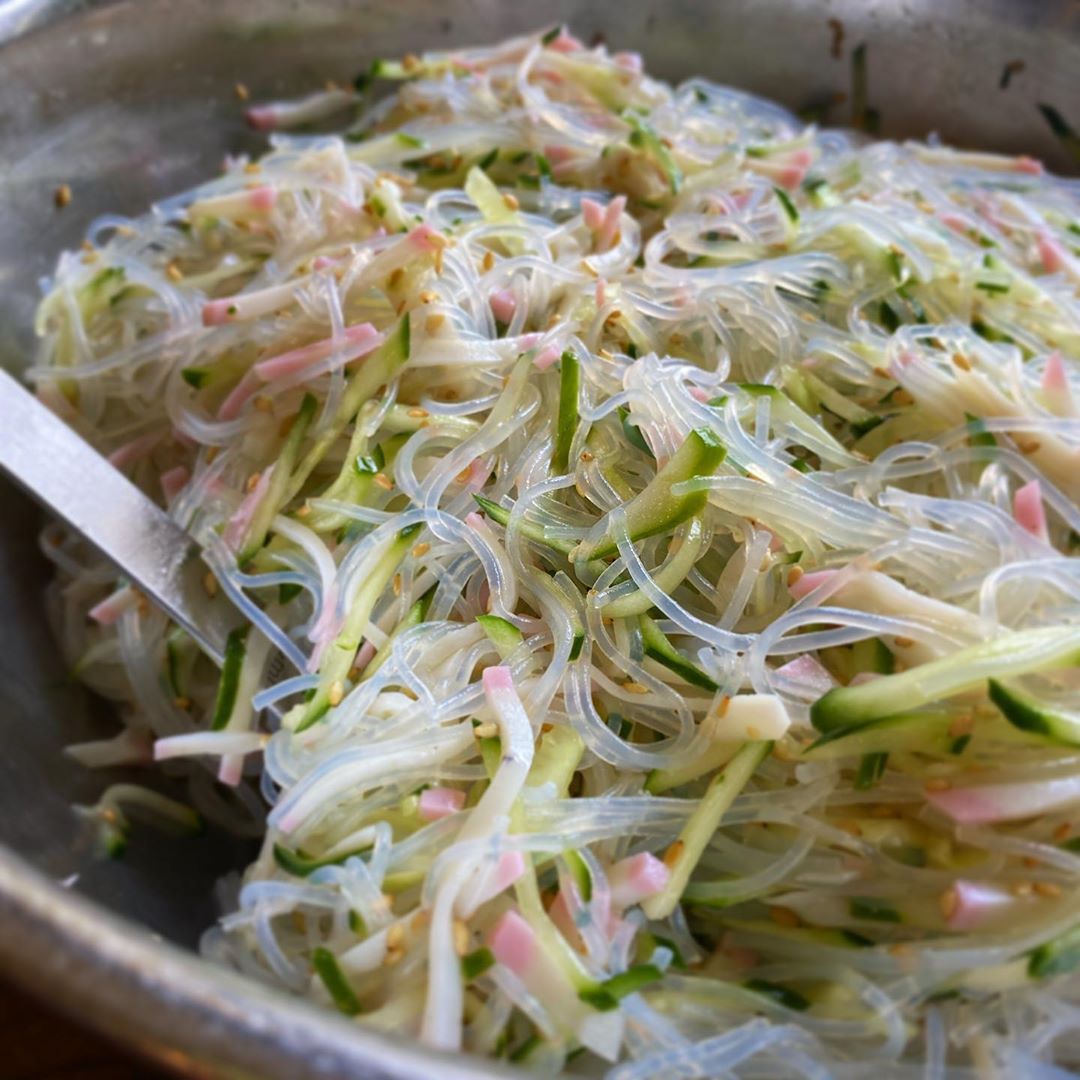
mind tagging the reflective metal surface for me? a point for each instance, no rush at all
(74, 483)
(131, 101)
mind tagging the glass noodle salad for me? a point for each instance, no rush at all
(653, 522)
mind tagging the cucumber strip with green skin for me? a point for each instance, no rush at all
(491, 755)
(579, 871)
(372, 372)
(643, 137)
(817, 935)
(235, 648)
(668, 577)
(552, 943)
(355, 483)
(873, 655)
(567, 422)
(556, 759)
(663, 652)
(1018, 653)
(871, 769)
(713, 756)
(338, 658)
(782, 995)
(292, 862)
(632, 431)
(505, 636)
(927, 731)
(1029, 714)
(501, 516)
(782, 408)
(1057, 957)
(656, 510)
(702, 823)
(413, 617)
(474, 964)
(275, 496)
(610, 992)
(873, 910)
(333, 978)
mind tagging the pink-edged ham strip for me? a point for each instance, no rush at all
(970, 905)
(513, 943)
(1029, 511)
(988, 804)
(173, 481)
(636, 878)
(503, 305)
(356, 341)
(108, 611)
(133, 452)
(440, 802)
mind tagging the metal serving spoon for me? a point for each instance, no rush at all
(75, 483)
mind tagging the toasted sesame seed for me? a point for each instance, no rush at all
(1021, 888)
(383, 481)
(393, 956)
(304, 511)
(510, 201)
(241, 91)
(850, 827)
(1030, 862)
(937, 783)
(336, 692)
(421, 550)
(173, 272)
(210, 584)
(671, 856)
(62, 196)
(794, 574)
(410, 61)
(418, 413)
(461, 937)
(1063, 831)
(428, 297)
(397, 584)
(263, 404)
(948, 902)
(1029, 446)
(252, 167)
(903, 642)
(252, 482)
(182, 702)
(961, 362)
(395, 936)
(488, 261)
(783, 916)
(635, 687)
(1047, 888)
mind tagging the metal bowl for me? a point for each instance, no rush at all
(130, 101)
